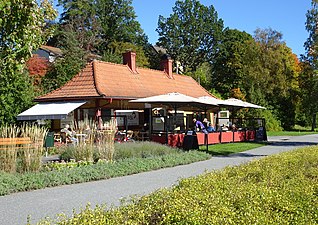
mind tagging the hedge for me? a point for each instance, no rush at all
(10, 183)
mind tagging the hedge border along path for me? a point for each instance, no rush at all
(279, 189)
(10, 183)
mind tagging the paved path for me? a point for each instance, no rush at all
(15, 208)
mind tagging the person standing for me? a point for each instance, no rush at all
(199, 126)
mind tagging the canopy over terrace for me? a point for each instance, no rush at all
(182, 101)
(50, 110)
(178, 101)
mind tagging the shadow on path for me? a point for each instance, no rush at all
(291, 143)
(245, 154)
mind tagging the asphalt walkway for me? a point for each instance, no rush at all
(15, 208)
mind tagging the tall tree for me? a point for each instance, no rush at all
(311, 59)
(118, 23)
(227, 72)
(80, 18)
(99, 23)
(22, 30)
(191, 34)
(272, 72)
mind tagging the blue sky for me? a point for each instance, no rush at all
(285, 16)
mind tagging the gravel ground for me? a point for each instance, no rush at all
(15, 208)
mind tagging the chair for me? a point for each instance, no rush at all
(65, 139)
(57, 137)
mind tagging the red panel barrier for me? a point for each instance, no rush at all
(180, 141)
(214, 138)
(250, 135)
(160, 139)
(239, 136)
(200, 137)
(226, 137)
(176, 140)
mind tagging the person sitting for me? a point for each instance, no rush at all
(233, 127)
(69, 134)
(208, 126)
(199, 126)
(224, 128)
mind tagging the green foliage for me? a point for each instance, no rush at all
(118, 22)
(116, 49)
(202, 75)
(271, 73)
(84, 172)
(22, 30)
(272, 122)
(280, 189)
(99, 24)
(311, 45)
(191, 33)
(16, 92)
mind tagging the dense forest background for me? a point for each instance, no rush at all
(259, 67)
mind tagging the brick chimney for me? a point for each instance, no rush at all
(166, 65)
(129, 58)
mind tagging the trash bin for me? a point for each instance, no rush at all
(190, 141)
(49, 140)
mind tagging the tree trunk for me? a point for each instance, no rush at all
(313, 122)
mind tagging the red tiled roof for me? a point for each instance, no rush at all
(102, 79)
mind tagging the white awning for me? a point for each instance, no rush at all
(49, 110)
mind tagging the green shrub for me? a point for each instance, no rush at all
(126, 150)
(280, 189)
(141, 150)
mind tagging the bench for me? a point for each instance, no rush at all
(14, 142)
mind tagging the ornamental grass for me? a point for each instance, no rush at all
(21, 145)
(8, 152)
(31, 154)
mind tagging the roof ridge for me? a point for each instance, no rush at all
(96, 85)
(111, 63)
(88, 66)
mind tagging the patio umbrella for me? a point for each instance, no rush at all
(210, 100)
(174, 99)
(236, 103)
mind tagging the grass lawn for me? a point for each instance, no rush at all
(229, 148)
(289, 133)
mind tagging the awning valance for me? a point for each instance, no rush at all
(50, 110)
